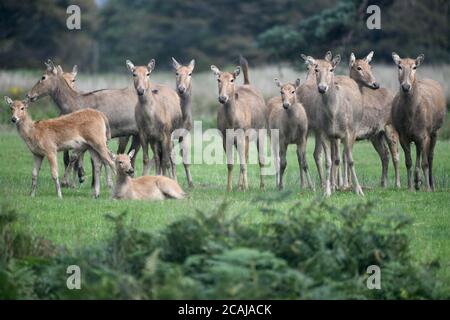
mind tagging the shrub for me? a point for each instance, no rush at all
(312, 252)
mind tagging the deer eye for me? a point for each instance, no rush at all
(148, 74)
(415, 67)
(399, 67)
(317, 70)
(331, 70)
(21, 108)
(359, 68)
(134, 75)
(43, 78)
(190, 74)
(232, 80)
(218, 80)
(177, 74)
(293, 92)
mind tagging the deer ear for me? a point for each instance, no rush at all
(192, 64)
(131, 154)
(297, 82)
(130, 65)
(369, 57)
(215, 70)
(328, 56)
(151, 65)
(352, 59)
(420, 59)
(25, 102)
(75, 70)
(277, 82)
(396, 58)
(336, 60)
(8, 100)
(236, 72)
(175, 64)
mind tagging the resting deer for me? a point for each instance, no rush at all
(340, 104)
(142, 188)
(183, 78)
(376, 121)
(117, 104)
(158, 114)
(288, 116)
(242, 108)
(82, 130)
(418, 111)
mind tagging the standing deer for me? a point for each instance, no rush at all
(376, 121)
(158, 114)
(117, 104)
(340, 104)
(142, 188)
(418, 111)
(183, 78)
(288, 116)
(82, 130)
(242, 109)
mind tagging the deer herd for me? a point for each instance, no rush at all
(336, 109)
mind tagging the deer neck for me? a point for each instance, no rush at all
(185, 103)
(122, 182)
(26, 127)
(330, 99)
(310, 77)
(147, 100)
(412, 97)
(65, 98)
(230, 109)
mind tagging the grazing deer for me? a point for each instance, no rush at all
(142, 188)
(340, 104)
(82, 130)
(288, 116)
(242, 109)
(117, 104)
(418, 111)
(184, 89)
(376, 121)
(158, 114)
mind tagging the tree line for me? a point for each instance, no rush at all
(215, 31)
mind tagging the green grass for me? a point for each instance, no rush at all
(78, 220)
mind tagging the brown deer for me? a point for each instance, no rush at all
(376, 121)
(288, 116)
(142, 188)
(242, 109)
(117, 104)
(183, 76)
(341, 111)
(418, 111)
(158, 114)
(82, 130)
(70, 77)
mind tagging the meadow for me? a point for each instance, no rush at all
(78, 220)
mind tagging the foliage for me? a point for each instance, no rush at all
(317, 252)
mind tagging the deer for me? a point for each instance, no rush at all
(143, 188)
(418, 111)
(81, 130)
(117, 104)
(376, 123)
(183, 77)
(158, 114)
(340, 105)
(288, 116)
(242, 108)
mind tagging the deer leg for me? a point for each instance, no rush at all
(79, 166)
(283, 164)
(318, 147)
(276, 154)
(391, 137)
(425, 162)
(185, 154)
(406, 146)
(228, 147)
(123, 142)
(144, 145)
(303, 164)
(70, 169)
(417, 180)
(96, 163)
(135, 145)
(260, 144)
(166, 155)
(348, 147)
(335, 164)
(66, 157)
(53, 162)
(430, 159)
(328, 164)
(383, 153)
(241, 146)
(156, 155)
(35, 173)
(173, 158)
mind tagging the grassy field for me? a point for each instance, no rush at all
(78, 220)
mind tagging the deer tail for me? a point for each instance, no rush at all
(244, 65)
(170, 188)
